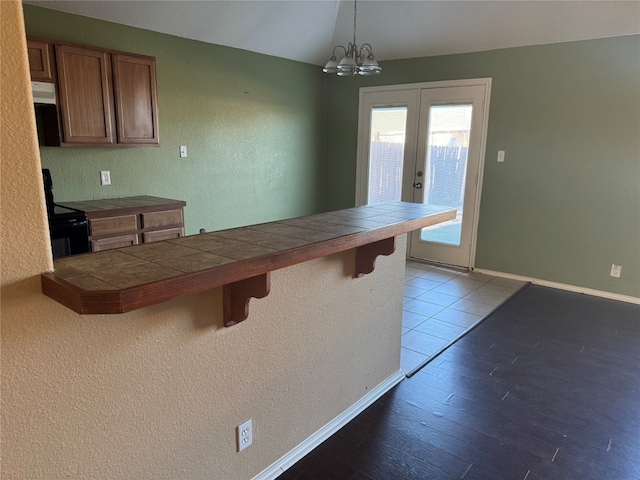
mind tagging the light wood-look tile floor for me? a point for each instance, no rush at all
(440, 304)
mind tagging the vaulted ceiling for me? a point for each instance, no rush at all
(307, 30)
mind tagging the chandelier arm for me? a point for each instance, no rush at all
(367, 47)
(338, 46)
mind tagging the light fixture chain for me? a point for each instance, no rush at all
(355, 15)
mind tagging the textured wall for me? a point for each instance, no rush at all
(253, 125)
(25, 244)
(157, 393)
(565, 205)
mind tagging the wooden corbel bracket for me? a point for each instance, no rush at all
(366, 255)
(236, 296)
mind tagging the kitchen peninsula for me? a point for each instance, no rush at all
(240, 259)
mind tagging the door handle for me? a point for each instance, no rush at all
(417, 185)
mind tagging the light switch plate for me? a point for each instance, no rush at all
(501, 155)
(183, 151)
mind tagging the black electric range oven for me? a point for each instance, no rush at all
(68, 227)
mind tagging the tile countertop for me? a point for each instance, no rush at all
(107, 207)
(122, 280)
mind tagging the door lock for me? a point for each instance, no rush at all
(417, 185)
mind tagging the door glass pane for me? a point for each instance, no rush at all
(446, 168)
(386, 153)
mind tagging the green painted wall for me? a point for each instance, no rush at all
(270, 138)
(253, 125)
(566, 203)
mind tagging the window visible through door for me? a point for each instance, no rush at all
(386, 153)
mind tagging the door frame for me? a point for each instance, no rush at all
(362, 163)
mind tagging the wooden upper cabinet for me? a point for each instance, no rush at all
(105, 97)
(40, 60)
(86, 98)
(134, 80)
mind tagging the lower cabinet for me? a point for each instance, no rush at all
(123, 222)
(125, 230)
(127, 221)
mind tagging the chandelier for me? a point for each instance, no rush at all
(353, 60)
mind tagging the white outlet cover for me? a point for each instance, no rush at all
(244, 435)
(616, 270)
(105, 177)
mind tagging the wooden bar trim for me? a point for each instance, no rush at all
(236, 296)
(366, 255)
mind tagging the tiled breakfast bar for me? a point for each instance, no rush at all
(240, 259)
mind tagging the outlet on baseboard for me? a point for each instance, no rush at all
(616, 270)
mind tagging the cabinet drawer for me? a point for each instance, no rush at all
(114, 242)
(167, 218)
(166, 234)
(113, 225)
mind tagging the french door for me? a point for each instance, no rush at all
(425, 143)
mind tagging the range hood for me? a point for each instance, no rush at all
(44, 92)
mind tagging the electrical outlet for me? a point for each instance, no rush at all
(244, 435)
(105, 177)
(616, 270)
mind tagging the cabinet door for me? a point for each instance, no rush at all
(40, 61)
(86, 100)
(136, 99)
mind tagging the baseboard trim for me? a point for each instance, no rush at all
(563, 286)
(288, 460)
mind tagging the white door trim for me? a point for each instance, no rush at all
(362, 166)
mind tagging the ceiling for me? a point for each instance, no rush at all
(307, 30)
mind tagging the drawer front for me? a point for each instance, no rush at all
(166, 234)
(113, 225)
(113, 242)
(167, 218)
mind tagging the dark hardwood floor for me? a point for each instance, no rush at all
(547, 387)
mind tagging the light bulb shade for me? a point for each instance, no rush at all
(347, 72)
(370, 67)
(347, 67)
(331, 66)
(347, 63)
